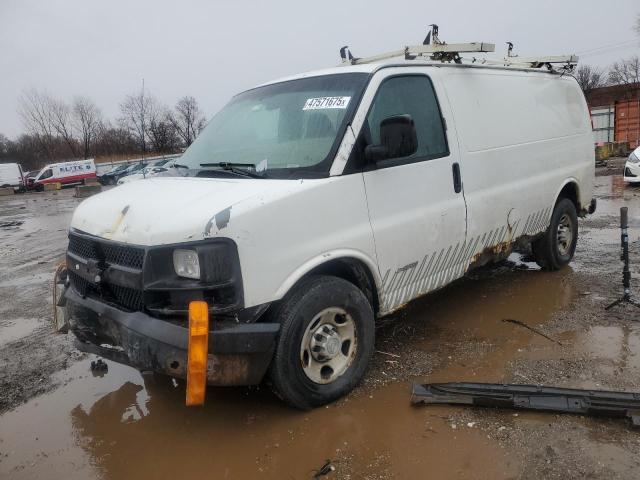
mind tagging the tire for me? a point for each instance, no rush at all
(555, 248)
(318, 303)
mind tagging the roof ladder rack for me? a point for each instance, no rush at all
(432, 47)
(566, 62)
(437, 50)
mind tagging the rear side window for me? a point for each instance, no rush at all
(413, 95)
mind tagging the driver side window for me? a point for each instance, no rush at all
(46, 174)
(413, 95)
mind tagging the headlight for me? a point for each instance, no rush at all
(633, 158)
(186, 263)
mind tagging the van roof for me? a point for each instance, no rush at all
(375, 66)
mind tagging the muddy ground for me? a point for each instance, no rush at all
(58, 420)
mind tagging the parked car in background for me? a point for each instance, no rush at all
(632, 167)
(110, 177)
(65, 173)
(29, 179)
(156, 169)
(11, 175)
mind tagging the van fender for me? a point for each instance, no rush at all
(567, 181)
(345, 253)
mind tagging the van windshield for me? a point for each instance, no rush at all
(285, 130)
(48, 173)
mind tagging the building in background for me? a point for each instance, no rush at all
(615, 114)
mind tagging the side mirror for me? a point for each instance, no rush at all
(398, 139)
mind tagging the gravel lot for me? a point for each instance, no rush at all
(59, 420)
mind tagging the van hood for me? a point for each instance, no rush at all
(160, 211)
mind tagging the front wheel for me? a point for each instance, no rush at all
(326, 341)
(555, 248)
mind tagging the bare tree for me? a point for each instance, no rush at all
(625, 72)
(590, 78)
(35, 111)
(137, 111)
(4, 145)
(162, 131)
(62, 124)
(112, 141)
(188, 120)
(87, 121)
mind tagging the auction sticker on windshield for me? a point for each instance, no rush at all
(326, 102)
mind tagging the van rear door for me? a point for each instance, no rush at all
(417, 210)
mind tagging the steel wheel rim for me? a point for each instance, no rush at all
(564, 234)
(329, 345)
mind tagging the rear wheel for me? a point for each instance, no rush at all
(325, 343)
(555, 248)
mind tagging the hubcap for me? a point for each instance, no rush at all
(564, 234)
(328, 345)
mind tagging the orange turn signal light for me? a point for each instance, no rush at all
(198, 352)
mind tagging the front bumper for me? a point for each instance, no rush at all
(632, 172)
(239, 354)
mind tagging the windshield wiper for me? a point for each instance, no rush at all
(233, 168)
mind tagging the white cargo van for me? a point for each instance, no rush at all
(11, 175)
(318, 203)
(66, 173)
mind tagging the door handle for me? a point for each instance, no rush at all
(457, 179)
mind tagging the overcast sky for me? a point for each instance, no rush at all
(213, 49)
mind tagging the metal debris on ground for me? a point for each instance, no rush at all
(99, 366)
(531, 397)
(534, 330)
(324, 470)
(11, 223)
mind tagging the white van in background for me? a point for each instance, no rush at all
(66, 173)
(320, 202)
(11, 175)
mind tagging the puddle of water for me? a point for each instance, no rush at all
(489, 342)
(612, 194)
(617, 344)
(126, 425)
(17, 328)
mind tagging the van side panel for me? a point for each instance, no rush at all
(522, 136)
(69, 172)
